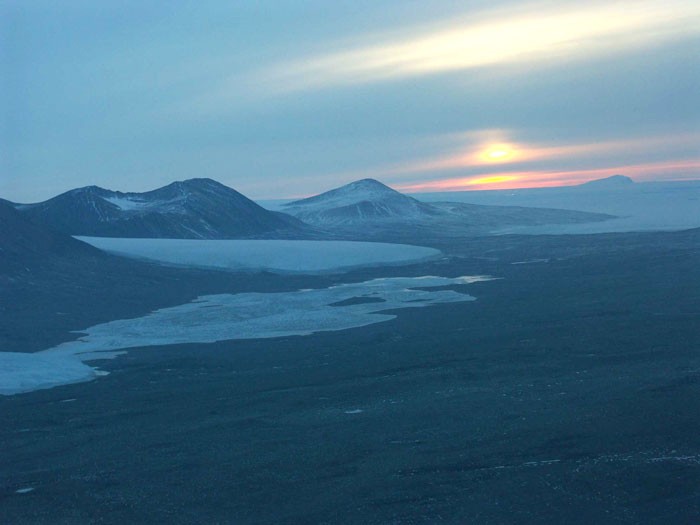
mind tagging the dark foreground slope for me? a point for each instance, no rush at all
(26, 246)
(191, 209)
(567, 393)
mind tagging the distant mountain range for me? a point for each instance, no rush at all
(373, 210)
(205, 209)
(191, 209)
(612, 182)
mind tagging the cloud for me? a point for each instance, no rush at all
(475, 150)
(480, 151)
(526, 164)
(526, 34)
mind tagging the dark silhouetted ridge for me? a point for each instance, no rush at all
(189, 209)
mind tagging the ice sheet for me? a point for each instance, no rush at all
(271, 255)
(649, 206)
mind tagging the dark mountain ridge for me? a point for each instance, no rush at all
(190, 209)
(614, 181)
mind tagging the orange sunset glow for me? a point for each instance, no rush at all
(493, 180)
(547, 179)
(523, 152)
(504, 159)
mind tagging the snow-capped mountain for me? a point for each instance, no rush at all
(368, 209)
(190, 209)
(365, 200)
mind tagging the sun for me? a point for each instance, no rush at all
(497, 179)
(497, 153)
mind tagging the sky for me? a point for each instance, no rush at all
(288, 98)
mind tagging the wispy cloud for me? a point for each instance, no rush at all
(473, 151)
(479, 147)
(526, 34)
(466, 163)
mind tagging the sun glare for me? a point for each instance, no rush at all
(497, 153)
(491, 180)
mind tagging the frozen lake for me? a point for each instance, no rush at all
(229, 317)
(271, 255)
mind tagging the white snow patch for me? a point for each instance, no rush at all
(353, 193)
(137, 204)
(271, 255)
(127, 204)
(21, 372)
(531, 261)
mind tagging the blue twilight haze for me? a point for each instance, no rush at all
(286, 98)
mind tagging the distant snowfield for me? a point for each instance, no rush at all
(644, 206)
(272, 255)
(224, 317)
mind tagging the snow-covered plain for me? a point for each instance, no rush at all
(272, 255)
(223, 317)
(642, 206)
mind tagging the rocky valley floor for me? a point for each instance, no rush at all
(566, 393)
